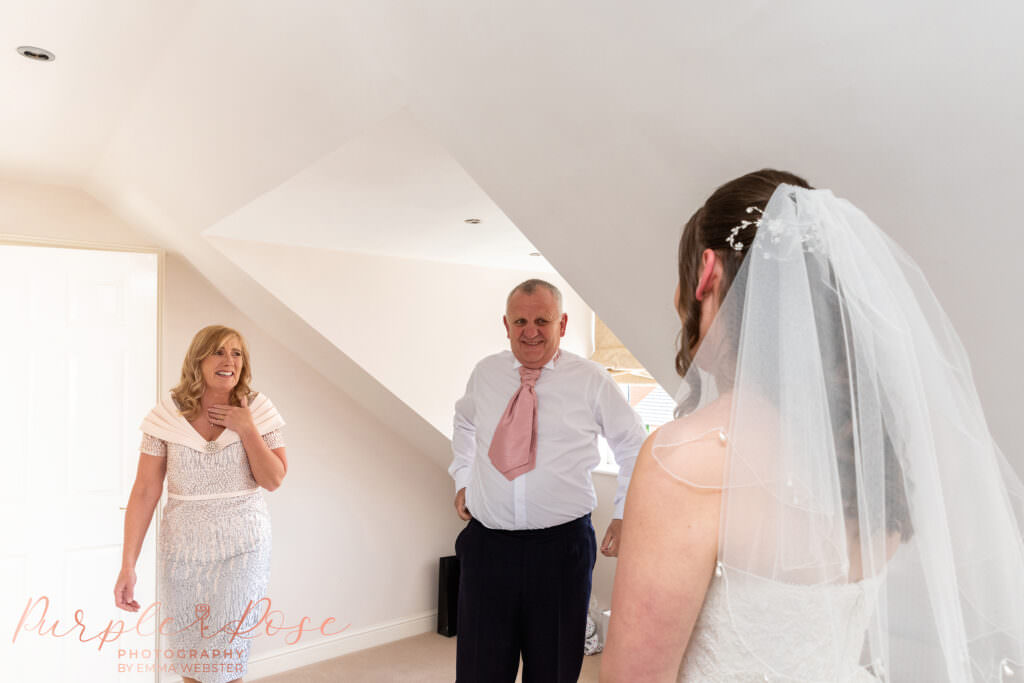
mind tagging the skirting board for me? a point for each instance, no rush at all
(294, 656)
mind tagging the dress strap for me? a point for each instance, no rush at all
(716, 432)
(693, 473)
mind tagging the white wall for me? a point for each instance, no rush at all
(417, 326)
(362, 516)
(52, 212)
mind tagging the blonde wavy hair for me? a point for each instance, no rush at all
(190, 389)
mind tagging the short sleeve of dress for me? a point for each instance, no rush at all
(274, 439)
(153, 446)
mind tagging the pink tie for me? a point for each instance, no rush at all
(514, 446)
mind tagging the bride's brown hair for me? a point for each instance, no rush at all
(709, 228)
(190, 388)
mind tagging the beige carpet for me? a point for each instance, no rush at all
(429, 658)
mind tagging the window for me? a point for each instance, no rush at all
(654, 406)
(651, 402)
(648, 399)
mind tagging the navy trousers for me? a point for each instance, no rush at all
(523, 593)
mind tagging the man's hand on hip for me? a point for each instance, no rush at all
(460, 505)
(610, 544)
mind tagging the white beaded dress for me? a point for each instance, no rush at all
(213, 554)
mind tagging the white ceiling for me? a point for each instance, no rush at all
(595, 127)
(301, 134)
(392, 190)
(56, 119)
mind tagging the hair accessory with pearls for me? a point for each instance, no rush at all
(731, 239)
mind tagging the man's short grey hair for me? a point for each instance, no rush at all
(530, 286)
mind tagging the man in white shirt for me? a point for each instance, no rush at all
(527, 554)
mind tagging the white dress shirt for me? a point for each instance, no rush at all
(577, 400)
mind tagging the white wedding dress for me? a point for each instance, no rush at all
(744, 617)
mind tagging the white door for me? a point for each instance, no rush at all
(78, 371)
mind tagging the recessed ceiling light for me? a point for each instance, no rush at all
(472, 221)
(534, 253)
(36, 53)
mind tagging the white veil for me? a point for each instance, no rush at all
(856, 454)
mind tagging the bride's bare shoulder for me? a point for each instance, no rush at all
(691, 449)
(714, 416)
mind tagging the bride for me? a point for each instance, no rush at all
(830, 505)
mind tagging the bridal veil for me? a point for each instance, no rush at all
(856, 449)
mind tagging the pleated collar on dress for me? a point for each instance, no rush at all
(166, 422)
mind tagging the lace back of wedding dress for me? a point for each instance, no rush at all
(748, 623)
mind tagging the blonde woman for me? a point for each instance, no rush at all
(218, 443)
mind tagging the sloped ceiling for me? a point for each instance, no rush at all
(592, 128)
(392, 190)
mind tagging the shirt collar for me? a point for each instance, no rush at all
(550, 365)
